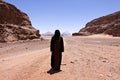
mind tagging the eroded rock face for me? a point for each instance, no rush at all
(14, 24)
(109, 24)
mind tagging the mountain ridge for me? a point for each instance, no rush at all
(109, 24)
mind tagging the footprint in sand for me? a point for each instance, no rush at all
(103, 59)
(73, 61)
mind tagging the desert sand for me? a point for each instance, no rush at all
(85, 58)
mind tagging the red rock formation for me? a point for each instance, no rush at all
(109, 24)
(15, 24)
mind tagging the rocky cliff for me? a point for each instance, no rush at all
(15, 24)
(109, 24)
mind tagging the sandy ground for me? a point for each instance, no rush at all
(85, 58)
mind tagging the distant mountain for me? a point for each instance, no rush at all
(51, 34)
(109, 24)
(47, 34)
(15, 24)
(66, 34)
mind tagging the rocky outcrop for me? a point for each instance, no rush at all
(15, 24)
(80, 34)
(109, 24)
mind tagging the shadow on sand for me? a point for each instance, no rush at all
(52, 71)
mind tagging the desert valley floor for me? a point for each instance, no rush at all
(85, 58)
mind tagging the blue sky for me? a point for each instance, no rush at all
(65, 15)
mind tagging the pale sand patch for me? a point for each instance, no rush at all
(101, 35)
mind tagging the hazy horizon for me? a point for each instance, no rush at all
(65, 15)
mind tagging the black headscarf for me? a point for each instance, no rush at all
(57, 34)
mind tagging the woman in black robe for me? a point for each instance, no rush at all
(56, 47)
